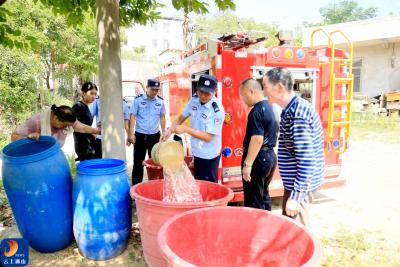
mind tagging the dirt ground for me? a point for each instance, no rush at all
(357, 224)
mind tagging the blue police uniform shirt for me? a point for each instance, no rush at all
(148, 112)
(95, 111)
(208, 118)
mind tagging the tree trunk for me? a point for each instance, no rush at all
(185, 28)
(107, 20)
(47, 78)
(53, 73)
(47, 71)
(53, 78)
(77, 89)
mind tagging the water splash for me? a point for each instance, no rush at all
(180, 185)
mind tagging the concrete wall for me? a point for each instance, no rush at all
(135, 70)
(371, 31)
(380, 66)
(156, 37)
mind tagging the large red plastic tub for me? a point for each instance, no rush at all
(152, 212)
(236, 236)
(155, 171)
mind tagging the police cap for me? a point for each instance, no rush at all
(207, 83)
(153, 83)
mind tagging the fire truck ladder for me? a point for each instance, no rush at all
(344, 63)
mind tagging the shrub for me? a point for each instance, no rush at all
(18, 84)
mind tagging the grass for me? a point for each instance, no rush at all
(4, 140)
(3, 200)
(363, 248)
(367, 126)
(72, 165)
(6, 216)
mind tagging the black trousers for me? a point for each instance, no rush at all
(206, 169)
(256, 193)
(144, 143)
(98, 149)
(85, 146)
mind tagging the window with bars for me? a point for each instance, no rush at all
(357, 66)
(166, 27)
(166, 44)
(155, 44)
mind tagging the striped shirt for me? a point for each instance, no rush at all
(301, 149)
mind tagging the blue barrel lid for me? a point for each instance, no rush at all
(28, 150)
(101, 166)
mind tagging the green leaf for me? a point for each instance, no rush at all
(17, 33)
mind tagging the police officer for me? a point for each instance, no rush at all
(96, 113)
(207, 115)
(147, 113)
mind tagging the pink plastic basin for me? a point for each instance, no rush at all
(236, 236)
(152, 212)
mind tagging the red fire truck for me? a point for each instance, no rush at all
(323, 76)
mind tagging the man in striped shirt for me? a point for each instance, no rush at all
(301, 150)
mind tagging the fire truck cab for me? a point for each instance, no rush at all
(323, 76)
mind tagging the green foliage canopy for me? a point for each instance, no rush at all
(200, 7)
(138, 11)
(344, 11)
(130, 11)
(53, 39)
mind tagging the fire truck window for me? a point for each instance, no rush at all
(304, 90)
(194, 87)
(195, 78)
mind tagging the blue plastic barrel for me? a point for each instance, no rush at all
(102, 208)
(38, 185)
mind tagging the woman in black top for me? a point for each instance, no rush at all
(85, 143)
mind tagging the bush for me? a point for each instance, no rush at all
(4, 140)
(66, 91)
(18, 84)
(50, 99)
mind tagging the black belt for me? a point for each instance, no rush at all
(267, 147)
(146, 134)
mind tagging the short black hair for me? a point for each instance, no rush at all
(281, 75)
(87, 86)
(64, 113)
(252, 81)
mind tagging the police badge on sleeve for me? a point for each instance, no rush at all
(217, 121)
